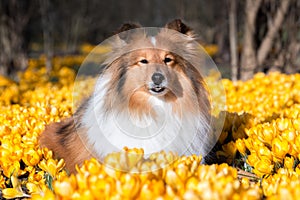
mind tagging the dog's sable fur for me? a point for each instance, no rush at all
(67, 139)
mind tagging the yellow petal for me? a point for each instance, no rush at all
(60, 164)
(14, 181)
(240, 145)
(63, 188)
(280, 148)
(10, 193)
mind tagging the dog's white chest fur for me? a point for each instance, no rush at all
(111, 131)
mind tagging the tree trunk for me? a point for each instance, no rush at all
(47, 24)
(248, 60)
(5, 45)
(233, 40)
(13, 20)
(273, 28)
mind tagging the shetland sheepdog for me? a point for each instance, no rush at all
(149, 95)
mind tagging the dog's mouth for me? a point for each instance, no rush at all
(158, 90)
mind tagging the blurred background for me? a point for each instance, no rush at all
(243, 37)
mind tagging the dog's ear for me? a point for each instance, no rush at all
(179, 26)
(127, 26)
(126, 36)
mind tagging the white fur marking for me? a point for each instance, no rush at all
(153, 40)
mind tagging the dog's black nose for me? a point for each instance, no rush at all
(157, 78)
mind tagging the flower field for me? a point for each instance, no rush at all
(258, 151)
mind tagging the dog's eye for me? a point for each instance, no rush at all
(167, 60)
(144, 61)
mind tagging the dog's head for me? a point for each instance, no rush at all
(160, 66)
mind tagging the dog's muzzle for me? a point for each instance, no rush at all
(158, 84)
